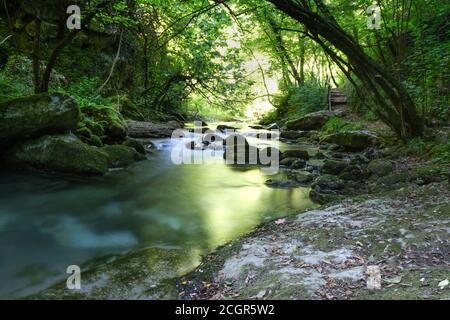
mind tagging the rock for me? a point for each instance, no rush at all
(34, 116)
(201, 123)
(302, 177)
(324, 198)
(149, 130)
(59, 154)
(299, 154)
(136, 145)
(235, 140)
(269, 156)
(265, 136)
(281, 184)
(334, 167)
(224, 127)
(199, 130)
(320, 155)
(287, 161)
(242, 154)
(353, 173)
(120, 156)
(312, 121)
(380, 168)
(298, 164)
(212, 138)
(327, 183)
(115, 132)
(256, 127)
(273, 126)
(353, 140)
(292, 135)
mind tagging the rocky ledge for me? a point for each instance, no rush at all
(325, 253)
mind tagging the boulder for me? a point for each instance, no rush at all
(120, 156)
(242, 154)
(35, 116)
(353, 140)
(287, 161)
(292, 135)
(312, 121)
(282, 184)
(380, 168)
(149, 130)
(136, 145)
(60, 154)
(328, 183)
(334, 167)
(302, 177)
(224, 127)
(269, 155)
(298, 164)
(235, 140)
(299, 154)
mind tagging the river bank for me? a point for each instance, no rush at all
(378, 209)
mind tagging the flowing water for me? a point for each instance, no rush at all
(48, 223)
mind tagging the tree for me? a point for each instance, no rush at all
(397, 108)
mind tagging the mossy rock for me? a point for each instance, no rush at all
(334, 167)
(327, 183)
(324, 198)
(394, 178)
(120, 156)
(380, 167)
(313, 121)
(298, 154)
(34, 116)
(136, 145)
(353, 140)
(59, 154)
(105, 121)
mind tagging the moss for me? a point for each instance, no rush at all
(36, 115)
(61, 154)
(337, 125)
(410, 287)
(140, 274)
(136, 145)
(120, 156)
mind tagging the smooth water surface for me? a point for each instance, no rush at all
(48, 223)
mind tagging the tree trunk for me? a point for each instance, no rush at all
(401, 110)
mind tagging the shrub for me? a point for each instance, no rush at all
(336, 125)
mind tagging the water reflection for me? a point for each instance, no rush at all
(48, 223)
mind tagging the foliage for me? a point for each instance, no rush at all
(300, 100)
(337, 125)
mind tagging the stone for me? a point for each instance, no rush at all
(299, 154)
(380, 168)
(120, 156)
(298, 164)
(34, 116)
(312, 121)
(59, 154)
(334, 166)
(136, 145)
(353, 140)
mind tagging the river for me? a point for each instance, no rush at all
(48, 223)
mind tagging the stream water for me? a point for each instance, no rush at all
(48, 223)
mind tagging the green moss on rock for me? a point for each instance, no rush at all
(120, 156)
(60, 154)
(37, 115)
